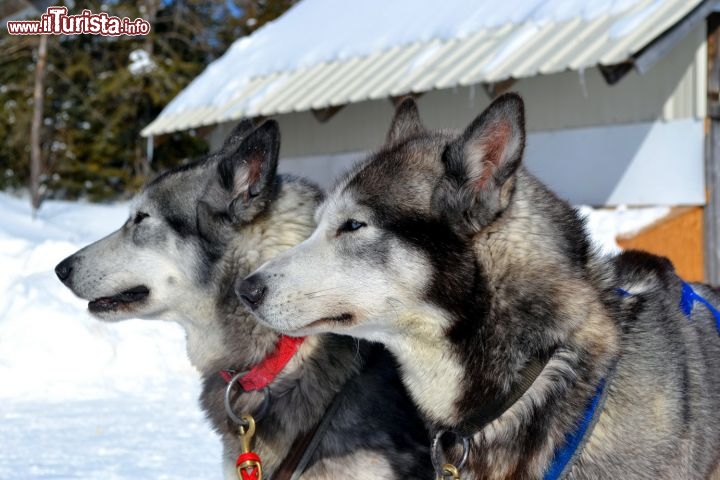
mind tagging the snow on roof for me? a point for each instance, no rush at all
(324, 53)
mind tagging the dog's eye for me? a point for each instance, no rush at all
(350, 225)
(139, 216)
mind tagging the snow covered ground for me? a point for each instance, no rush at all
(83, 399)
(80, 398)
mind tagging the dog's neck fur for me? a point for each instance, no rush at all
(221, 334)
(217, 324)
(466, 363)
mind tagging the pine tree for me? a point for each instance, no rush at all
(95, 105)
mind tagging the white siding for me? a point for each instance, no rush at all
(638, 164)
(658, 163)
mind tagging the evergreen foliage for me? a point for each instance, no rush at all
(96, 105)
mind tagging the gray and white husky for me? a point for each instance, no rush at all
(190, 232)
(530, 355)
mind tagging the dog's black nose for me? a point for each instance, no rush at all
(64, 269)
(251, 291)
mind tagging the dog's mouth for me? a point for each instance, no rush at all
(121, 301)
(346, 318)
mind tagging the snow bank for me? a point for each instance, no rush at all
(80, 398)
(606, 224)
(49, 344)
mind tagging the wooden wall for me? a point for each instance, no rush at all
(679, 236)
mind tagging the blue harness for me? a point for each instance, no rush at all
(574, 439)
(687, 302)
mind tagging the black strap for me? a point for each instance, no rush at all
(304, 447)
(318, 434)
(291, 462)
(491, 411)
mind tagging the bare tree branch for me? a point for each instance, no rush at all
(38, 101)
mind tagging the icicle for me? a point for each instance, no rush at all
(583, 85)
(150, 148)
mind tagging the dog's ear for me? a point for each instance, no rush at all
(480, 165)
(248, 175)
(244, 179)
(237, 135)
(405, 123)
(250, 172)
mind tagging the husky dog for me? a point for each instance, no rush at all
(194, 229)
(529, 354)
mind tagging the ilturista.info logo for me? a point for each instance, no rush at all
(56, 21)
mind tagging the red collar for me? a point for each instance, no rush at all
(260, 376)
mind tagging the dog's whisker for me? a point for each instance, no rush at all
(327, 289)
(321, 293)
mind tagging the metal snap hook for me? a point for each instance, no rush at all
(238, 419)
(443, 469)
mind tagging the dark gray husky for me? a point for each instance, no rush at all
(530, 355)
(190, 233)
